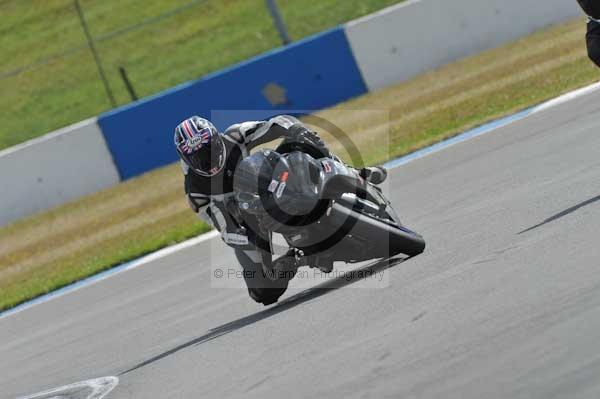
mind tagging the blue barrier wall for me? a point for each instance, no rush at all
(315, 73)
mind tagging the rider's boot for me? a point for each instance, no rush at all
(286, 265)
(374, 174)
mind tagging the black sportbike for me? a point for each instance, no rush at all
(324, 210)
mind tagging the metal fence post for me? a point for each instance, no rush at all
(278, 20)
(127, 83)
(84, 25)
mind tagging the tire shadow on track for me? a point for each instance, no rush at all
(287, 304)
(562, 214)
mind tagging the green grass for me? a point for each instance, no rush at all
(76, 240)
(208, 35)
(149, 212)
(89, 261)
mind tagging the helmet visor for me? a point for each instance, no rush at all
(208, 160)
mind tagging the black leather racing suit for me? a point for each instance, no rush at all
(212, 198)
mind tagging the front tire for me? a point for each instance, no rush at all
(387, 240)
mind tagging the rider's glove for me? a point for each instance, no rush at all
(300, 134)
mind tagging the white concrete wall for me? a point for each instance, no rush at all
(53, 169)
(402, 41)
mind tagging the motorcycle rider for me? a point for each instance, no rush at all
(592, 9)
(209, 159)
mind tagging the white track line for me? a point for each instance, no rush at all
(566, 97)
(481, 130)
(98, 388)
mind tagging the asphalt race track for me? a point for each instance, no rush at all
(504, 303)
